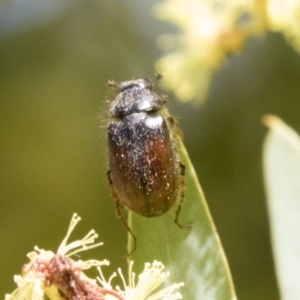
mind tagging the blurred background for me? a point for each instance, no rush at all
(55, 59)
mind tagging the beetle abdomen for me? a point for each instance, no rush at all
(143, 163)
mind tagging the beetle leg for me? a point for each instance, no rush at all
(173, 123)
(118, 207)
(119, 215)
(109, 178)
(181, 196)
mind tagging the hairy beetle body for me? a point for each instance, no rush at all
(145, 174)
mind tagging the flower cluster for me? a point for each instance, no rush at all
(210, 31)
(58, 276)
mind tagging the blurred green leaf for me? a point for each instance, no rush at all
(282, 178)
(193, 256)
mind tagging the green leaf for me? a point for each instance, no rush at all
(282, 179)
(192, 255)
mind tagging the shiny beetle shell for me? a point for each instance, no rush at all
(144, 168)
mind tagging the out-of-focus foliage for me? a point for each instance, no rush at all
(282, 177)
(210, 31)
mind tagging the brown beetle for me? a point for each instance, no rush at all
(145, 173)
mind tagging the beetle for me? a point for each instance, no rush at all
(145, 173)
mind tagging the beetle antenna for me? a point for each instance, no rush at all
(158, 76)
(112, 83)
